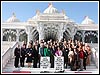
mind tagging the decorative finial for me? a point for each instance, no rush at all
(63, 11)
(85, 17)
(37, 11)
(14, 14)
(50, 4)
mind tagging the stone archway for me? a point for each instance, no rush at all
(69, 32)
(22, 36)
(35, 35)
(9, 35)
(91, 37)
(56, 30)
(78, 36)
(66, 35)
(48, 30)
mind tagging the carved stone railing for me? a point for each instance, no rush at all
(93, 45)
(94, 56)
(8, 54)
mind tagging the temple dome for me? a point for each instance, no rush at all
(34, 17)
(13, 19)
(87, 20)
(50, 9)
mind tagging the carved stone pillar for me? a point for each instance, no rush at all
(83, 36)
(17, 35)
(2, 33)
(29, 34)
(40, 29)
(73, 32)
(61, 30)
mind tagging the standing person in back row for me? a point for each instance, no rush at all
(17, 56)
(24, 43)
(85, 57)
(65, 54)
(81, 57)
(22, 55)
(88, 61)
(41, 51)
(29, 54)
(36, 55)
(58, 52)
(71, 58)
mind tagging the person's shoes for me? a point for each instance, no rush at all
(80, 70)
(84, 68)
(16, 67)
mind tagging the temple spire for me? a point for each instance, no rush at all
(63, 11)
(13, 14)
(37, 11)
(86, 17)
(50, 4)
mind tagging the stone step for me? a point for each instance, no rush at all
(51, 70)
(10, 68)
(93, 68)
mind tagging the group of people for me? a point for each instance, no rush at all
(76, 54)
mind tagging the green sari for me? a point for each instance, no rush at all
(47, 52)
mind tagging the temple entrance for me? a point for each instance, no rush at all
(53, 38)
(50, 34)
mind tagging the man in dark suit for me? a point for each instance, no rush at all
(65, 54)
(85, 57)
(35, 55)
(22, 55)
(17, 56)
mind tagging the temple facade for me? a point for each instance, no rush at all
(50, 24)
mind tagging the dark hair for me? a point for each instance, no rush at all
(55, 43)
(59, 47)
(42, 42)
(24, 44)
(70, 45)
(83, 45)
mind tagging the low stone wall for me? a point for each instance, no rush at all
(6, 57)
(94, 56)
(8, 54)
(94, 45)
(6, 45)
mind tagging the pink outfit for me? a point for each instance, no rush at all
(58, 53)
